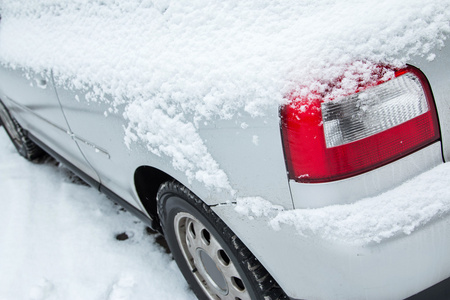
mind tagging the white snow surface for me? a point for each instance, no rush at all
(399, 211)
(194, 60)
(57, 240)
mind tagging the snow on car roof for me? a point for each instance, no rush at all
(185, 61)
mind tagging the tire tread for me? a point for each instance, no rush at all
(268, 287)
(26, 147)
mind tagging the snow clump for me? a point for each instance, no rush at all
(197, 60)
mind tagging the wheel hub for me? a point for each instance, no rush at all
(212, 272)
(209, 262)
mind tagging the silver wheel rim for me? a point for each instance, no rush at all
(209, 262)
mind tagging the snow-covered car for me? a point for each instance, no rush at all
(289, 149)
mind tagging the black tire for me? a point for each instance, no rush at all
(26, 147)
(214, 261)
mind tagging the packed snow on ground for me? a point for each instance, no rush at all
(58, 240)
(188, 61)
(399, 211)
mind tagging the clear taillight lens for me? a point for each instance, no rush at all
(332, 140)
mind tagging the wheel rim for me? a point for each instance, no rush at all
(209, 262)
(10, 126)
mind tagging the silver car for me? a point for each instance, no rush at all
(231, 211)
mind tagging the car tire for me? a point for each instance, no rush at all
(24, 145)
(214, 261)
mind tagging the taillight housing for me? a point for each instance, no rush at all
(377, 124)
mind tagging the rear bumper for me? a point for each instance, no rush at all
(368, 184)
(387, 259)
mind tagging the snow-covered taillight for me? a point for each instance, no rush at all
(331, 140)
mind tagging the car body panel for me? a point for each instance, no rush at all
(101, 141)
(32, 100)
(311, 267)
(368, 184)
(257, 142)
(438, 75)
(31, 92)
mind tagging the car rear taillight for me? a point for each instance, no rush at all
(331, 140)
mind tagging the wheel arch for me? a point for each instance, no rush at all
(147, 181)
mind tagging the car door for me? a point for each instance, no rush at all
(31, 98)
(100, 135)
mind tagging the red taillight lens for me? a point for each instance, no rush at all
(325, 141)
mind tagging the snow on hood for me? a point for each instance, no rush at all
(193, 60)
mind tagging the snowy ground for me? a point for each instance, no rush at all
(58, 240)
